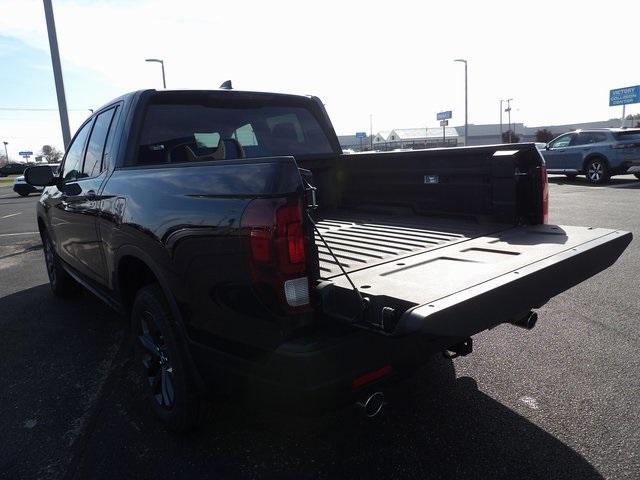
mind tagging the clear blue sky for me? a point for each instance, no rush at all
(394, 60)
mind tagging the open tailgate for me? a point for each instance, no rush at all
(462, 289)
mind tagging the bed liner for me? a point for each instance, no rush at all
(361, 240)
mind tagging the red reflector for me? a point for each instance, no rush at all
(545, 194)
(260, 245)
(370, 377)
(295, 242)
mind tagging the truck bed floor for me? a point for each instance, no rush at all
(362, 240)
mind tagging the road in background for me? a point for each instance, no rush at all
(557, 402)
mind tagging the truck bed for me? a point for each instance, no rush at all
(360, 240)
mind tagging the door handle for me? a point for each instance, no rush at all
(91, 195)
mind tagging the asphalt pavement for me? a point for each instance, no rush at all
(560, 401)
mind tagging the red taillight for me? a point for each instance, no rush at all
(545, 194)
(290, 238)
(370, 377)
(277, 250)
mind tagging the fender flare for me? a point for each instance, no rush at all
(183, 337)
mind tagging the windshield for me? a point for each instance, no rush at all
(176, 132)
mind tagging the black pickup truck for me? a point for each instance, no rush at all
(255, 259)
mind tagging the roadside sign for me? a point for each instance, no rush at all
(624, 96)
(361, 135)
(444, 123)
(25, 154)
(444, 115)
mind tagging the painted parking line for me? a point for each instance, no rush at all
(11, 215)
(21, 233)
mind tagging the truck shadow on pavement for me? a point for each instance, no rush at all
(93, 421)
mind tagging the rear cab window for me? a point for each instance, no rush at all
(203, 128)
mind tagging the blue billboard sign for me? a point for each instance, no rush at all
(361, 135)
(624, 96)
(444, 115)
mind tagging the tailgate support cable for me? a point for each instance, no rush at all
(312, 190)
(363, 302)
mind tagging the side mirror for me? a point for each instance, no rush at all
(546, 147)
(40, 176)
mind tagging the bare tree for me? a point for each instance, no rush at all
(544, 135)
(510, 135)
(51, 154)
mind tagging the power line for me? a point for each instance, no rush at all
(28, 109)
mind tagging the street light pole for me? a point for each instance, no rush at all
(161, 62)
(57, 73)
(6, 154)
(371, 131)
(466, 103)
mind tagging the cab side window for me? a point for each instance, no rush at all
(73, 161)
(96, 145)
(562, 141)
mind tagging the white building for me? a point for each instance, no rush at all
(423, 138)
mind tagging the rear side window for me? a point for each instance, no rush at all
(97, 142)
(73, 161)
(175, 132)
(587, 138)
(633, 135)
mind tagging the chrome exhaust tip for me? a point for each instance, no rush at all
(527, 321)
(372, 405)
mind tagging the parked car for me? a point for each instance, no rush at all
(22, 188)
(255, 259)
(12, 169)
(599, 154)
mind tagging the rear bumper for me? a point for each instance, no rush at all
(314, 374)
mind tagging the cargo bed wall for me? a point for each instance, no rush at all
(488, 183)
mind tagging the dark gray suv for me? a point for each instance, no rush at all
(598, 153)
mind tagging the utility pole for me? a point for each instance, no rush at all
(57, 73)
(6, 154)
(371, 131)
(501, 140)
(508, 110)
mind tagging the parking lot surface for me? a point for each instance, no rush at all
(557, 402)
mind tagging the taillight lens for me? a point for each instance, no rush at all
(277, 251)
(290, 238)
(545, 194)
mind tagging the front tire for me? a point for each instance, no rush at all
(597, 171)
(167, 380)
(62, 284)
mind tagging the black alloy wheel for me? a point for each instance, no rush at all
(156, 362)
(167, 378)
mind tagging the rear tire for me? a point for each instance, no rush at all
(597, 171)
(167, 381)
(62, 284)
(23, 194)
